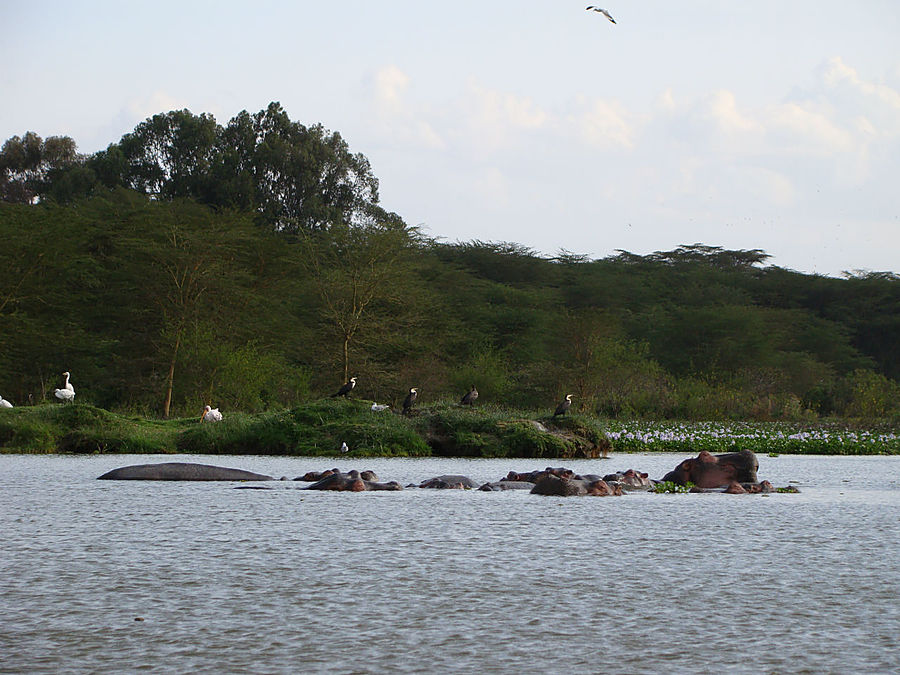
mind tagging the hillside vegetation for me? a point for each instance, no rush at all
(251, 267)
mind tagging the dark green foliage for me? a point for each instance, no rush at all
(315, 429)
(251, 267)
(491, 431)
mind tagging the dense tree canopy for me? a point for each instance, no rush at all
(251, 266)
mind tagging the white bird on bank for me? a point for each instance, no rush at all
(67, 393)
(4, 403)
(602, 11)
(378, 407)
(344, 448)
(211, 415)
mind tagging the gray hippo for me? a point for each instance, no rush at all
(557, 486)
(351, 482)
(449, 482)
(180, 471)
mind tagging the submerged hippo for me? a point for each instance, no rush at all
(180, 471)
(559, 486)
(352, 481)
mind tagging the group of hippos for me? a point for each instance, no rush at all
(732, 473)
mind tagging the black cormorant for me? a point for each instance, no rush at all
(410, 399)
(564, 405)
(346, 389)
(469, 399)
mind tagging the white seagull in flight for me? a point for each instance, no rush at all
(602, 11)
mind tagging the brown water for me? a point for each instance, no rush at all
(282, 580)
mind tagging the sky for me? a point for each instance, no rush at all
(768, 124)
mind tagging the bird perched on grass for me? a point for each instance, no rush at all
(564, 405)
(601, 10)
(344, 448)
(469, 398)
(211, 414)
(410, 399)
(67, 393)
(378, 407)
(346, 388)
(4, 403)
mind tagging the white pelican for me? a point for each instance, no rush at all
(344, 448)
(378, 407)
(211, 415)
(4, 403)
(602, 11)
(67, 393)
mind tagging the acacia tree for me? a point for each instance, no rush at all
(193, 273)
(356, 268)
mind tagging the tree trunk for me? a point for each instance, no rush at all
(346, 358)
(170, 378)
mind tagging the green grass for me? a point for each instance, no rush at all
(443, 429)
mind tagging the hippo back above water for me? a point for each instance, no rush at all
(181, 471)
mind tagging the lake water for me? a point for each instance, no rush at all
(282, 580)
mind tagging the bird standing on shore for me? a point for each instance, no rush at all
(469, 398)
(346, 388)
(211, 414)
(602, 11)
(564, 405)
(344, 448)
(410, 399)
(67, 393)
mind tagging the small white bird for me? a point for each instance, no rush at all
(4, 403)
(378, 407)
(344, 448)
(67, 393)
(602, 11)
(211, 415)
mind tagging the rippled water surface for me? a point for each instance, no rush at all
(282, 580)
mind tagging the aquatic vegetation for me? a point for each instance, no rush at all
(771, 438)
(668, 487)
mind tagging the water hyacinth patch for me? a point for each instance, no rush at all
(760, 437)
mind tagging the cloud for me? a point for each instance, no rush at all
(399, 120)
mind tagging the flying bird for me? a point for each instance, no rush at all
(344, 448)
(346, 388)
(211, 414)
(67, 393)
(469, 398)
(4, 403)
(602, 11)
(564, 405)
(410, 399)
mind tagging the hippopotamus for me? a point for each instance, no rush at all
(449, 482)
(735, 488)
(180, 471)
(502, 485)
(314, 476)
(630, 479)
(556, 486)
(534, 476)
(712, 471)
(351, 482)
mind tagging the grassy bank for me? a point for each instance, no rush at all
(447, 430)
(314, 429)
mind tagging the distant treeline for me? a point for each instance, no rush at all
(250, 266)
